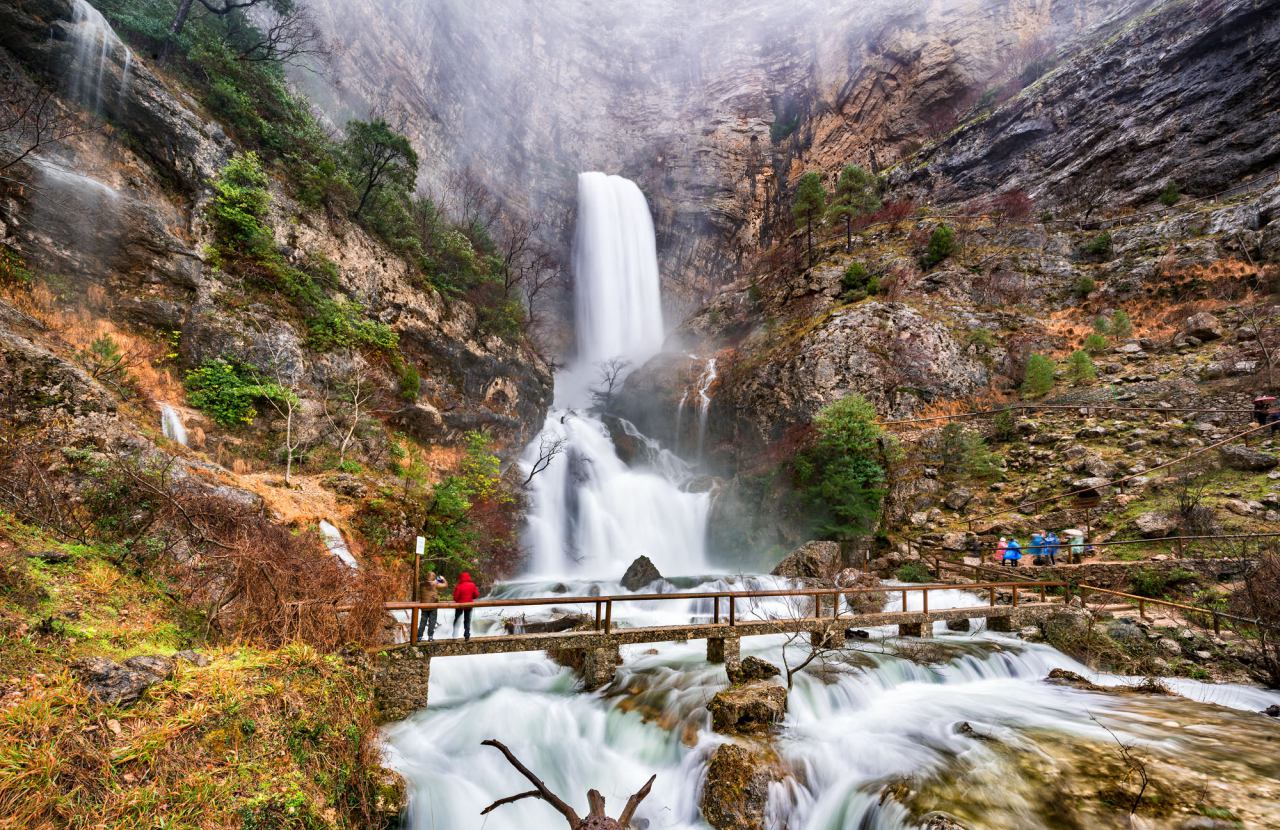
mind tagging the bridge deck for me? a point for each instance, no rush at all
(506, 643)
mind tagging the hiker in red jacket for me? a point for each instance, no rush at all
(464, 591)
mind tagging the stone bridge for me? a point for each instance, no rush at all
(404, 670)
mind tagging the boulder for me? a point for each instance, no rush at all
(938, 820)
(640, 573)
(1203, 327)
(1247, 459)
(751, 707)
(863, 602)
(955, 541)
(753, 668)
(736, 790)
(958, 498)
(813, 560)
(160, 667)
(1155, 525)
(110, 683)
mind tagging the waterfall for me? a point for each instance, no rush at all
(171, 424)
(704, 401)
(618, 305)
(96, 48)
(590, 511)
(337, 545)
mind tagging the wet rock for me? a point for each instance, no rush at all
(938, 820)
(1247, 459)
(750, 707)
(1154, 525)
(814, 560)
(640, 573)
(1203, 327)
(112, 684)
(1272, 711)
(753, 668)
(736, 790)
(959, 625)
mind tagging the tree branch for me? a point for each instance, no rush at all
(546, 794)
(508, 800)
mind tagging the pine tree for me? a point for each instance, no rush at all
(855, 196)
(810, 203)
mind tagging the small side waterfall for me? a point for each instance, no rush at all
(171, 424)
(337, 545)
(704, 402)
(96, 48)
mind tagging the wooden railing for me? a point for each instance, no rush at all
(724, 604)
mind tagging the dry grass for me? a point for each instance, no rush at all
(256, 734)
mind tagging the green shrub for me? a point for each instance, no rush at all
(1080, 368)
(1083, 287)
(1037, 379)
(1170, 195)
(1148, 582)
(1121, 325)
(229, 391)
(410, 382)
(1095, 343)
(913, 572)
(1004, 426)
(840, 475)
(942, 242)
(13, 268)
(1099, 247)
(964, 452)
(349, 466)
(857, 283)
(1101, 324)
(239, 206)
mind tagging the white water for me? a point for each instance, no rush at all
(171, 424)
(591, 513)
(337, 545)
(96, 48)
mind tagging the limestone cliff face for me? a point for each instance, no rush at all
(713, 110)
(117, 215)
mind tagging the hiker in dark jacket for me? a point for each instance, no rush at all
(429, 591)
(465, 591)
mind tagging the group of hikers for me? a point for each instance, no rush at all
(429, 591)
(1043, 548)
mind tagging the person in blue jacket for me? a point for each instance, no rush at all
(1051, 544)
(1036, 547)
(1012, 553)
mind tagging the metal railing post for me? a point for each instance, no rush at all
(608, 615)
(599, 611)
(715, 610)
(1015, 596)
(924, 598)
(413, 626)
(732, 609)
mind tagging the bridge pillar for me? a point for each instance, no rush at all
(1000, 623)
(401, 678)
(727, 650)
(962, 624)
(916, 629)
(599, 665)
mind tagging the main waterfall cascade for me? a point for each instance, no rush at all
(591, 513)
(979, 729)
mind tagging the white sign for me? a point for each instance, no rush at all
(420, 546)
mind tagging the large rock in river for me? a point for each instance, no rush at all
(751, 707)
(813, 560)
(640, 573)
(737, 787)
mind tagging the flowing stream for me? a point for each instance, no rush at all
(973, 729)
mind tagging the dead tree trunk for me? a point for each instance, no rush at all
(595, 819)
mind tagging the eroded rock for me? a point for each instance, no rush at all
(640, 573)
(736, 791)
(750, 707)
(814, 560)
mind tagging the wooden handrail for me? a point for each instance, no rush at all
(1181, 606)
(731, 595)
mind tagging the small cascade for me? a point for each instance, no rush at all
(337, 545)
(96, 49)
(704, 401)
(171, 424)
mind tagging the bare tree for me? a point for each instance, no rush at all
(289, 36)
(1085, 193)
(549, 446)
(286, 372)
(354, 398)
(594, 820)
(1261, 319)
(473, 203)
(30, 119)
(1135, 766)
(611, 376)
